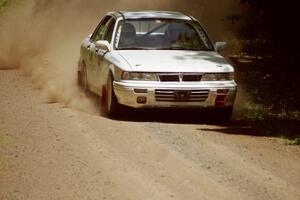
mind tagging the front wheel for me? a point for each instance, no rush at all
(224, 114)
(82, 81)
(112, 106)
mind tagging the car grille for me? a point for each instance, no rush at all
(178, 77)
(190, 77)
(169, 78)
(181, 95)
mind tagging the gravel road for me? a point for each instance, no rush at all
(48, 151)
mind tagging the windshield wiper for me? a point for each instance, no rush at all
(164, 48)
(155, 29)
(182, 48)
(134, 48)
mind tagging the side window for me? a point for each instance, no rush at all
(110, 30)
(99, 32)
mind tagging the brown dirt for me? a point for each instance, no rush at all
(48, 151)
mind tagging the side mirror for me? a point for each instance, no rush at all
(219, 46)
(103, 45)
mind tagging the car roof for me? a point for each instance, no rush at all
(151, 14)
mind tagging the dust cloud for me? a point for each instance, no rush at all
(43, 37)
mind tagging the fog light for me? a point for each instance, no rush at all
(142, 100)
(140, 90)
(222, 91)
(220, 101)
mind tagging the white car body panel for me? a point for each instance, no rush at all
(99, 65)
(175, 61)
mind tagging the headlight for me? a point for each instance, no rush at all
(139, 76)
(218, 77)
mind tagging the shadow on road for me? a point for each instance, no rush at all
(193, 117)
(186, 116)
(280, 128)
(177, 116)
(234, 128)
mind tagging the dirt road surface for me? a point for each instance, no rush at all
(50, 152)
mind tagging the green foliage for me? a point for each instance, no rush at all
(296, 141)
(269, 27)
(5, 4)
(275, 107)
(269, 31)
(282, 125)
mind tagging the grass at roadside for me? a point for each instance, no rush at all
(274, 109)
(282, 125)
(6, 142)
(5, 4)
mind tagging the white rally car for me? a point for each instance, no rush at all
(155, 59)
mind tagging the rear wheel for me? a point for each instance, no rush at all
(112, 106)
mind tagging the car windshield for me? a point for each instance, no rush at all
(161, 34)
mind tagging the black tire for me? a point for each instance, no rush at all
(82, 81)
(224, 114)
(112, 106)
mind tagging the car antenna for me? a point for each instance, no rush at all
(123, 16)
(192, 18)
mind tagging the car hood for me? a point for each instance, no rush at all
(175, 61)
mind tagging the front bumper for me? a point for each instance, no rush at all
(126, 94)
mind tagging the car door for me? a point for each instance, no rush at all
(91, 61)
(103, 64)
